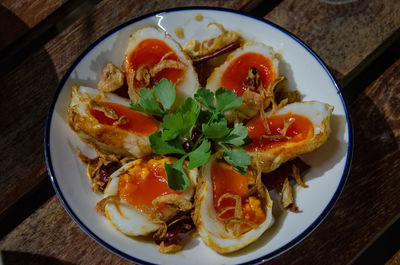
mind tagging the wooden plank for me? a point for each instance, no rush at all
(17, 17)
(33, 241)
(395, 260)
(368, 203)
(28, 89)
(346, 36)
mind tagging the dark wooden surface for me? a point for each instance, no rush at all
(352, 39)
(18, 17)
(347, 37)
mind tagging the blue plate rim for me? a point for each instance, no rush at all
(258, 260)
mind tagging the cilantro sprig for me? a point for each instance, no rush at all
(201, 115)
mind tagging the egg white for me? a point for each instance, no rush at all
(319, 114)
(214, 81)
(211, 230)
(190, 83)
(87, 127)
(127, 218)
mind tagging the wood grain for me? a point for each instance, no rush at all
(17, 17)
(347, 36)
(367, 205)
(22, 163)
(395, 260)
(67, 242)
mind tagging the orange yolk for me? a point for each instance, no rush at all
(137, 122)
(301, 129)
(226, 180)
(144, 182)
(150, 52)
(237, 71)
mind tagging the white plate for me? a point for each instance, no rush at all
(305, 72)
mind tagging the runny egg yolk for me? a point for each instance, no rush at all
(237, 72)
(143, 182)
(226, 180)
(150, 52)
(301, 128)
(136, 122)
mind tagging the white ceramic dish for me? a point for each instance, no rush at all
(305, 72)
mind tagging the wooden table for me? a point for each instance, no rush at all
(358, 40)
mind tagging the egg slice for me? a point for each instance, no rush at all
(106, 121)
(228, 216)
(151, 55)
(295, 129)
(234, 73)
(137, 184)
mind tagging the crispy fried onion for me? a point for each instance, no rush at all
(195, 49)
(160, 233)
(287, 198)
(162, 230)
(147, 72)
(101, 167)
(297, 177)
(237, 220)
(108, 112)
(171, 248)
(121, 121)
(130, 79)
(112, 78)
(101, 205)
(283, 131)
(171, 204)
(173, 201)
(259, 184)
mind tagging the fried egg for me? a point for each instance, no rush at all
(136, 185)
(228, 216)
(295, 129)
(106, 121)
(151, 55)
(234, 73)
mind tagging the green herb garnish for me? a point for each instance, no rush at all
(201, 116)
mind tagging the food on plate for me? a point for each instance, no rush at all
(252, 72)
(112, 78)
(211, 47)
(178, 157)
(107, 122)
(293, 130)
(138, 201)
(151, 55)
(232, 210)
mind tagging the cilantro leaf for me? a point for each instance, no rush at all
(205, 116)
(226, 100)
(238, 159)
(173, 124)
(147, 103)
(237, 136)
(200, 155)
(182, 122)
(190, 105)
(216, 129)
(165, 91)
(136, 107)
(191, 110)
(176, 175)
(162, 147)
(247, 141)
(205, 97)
